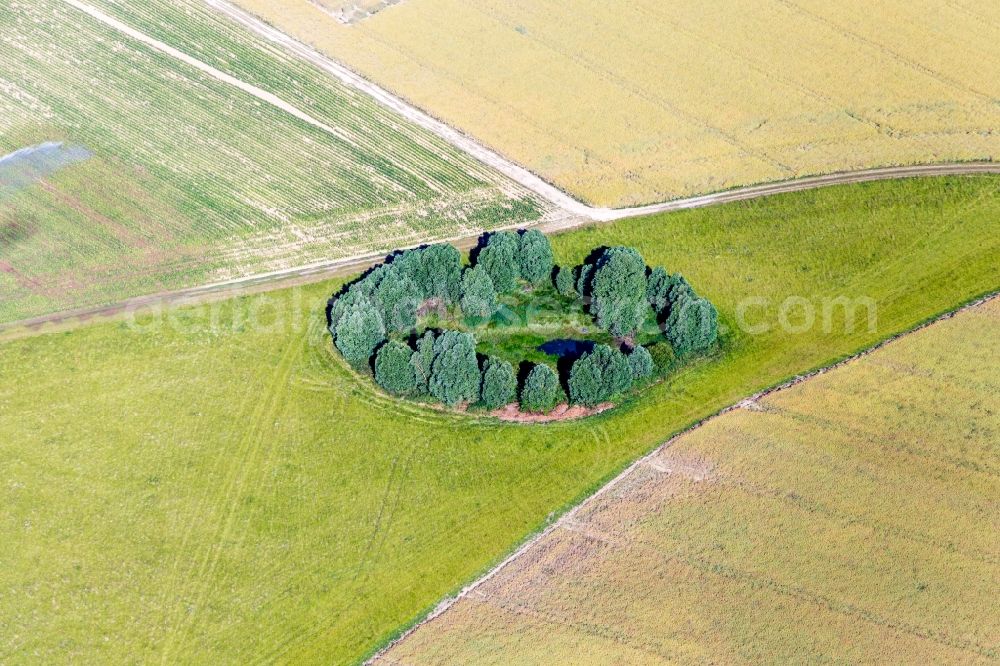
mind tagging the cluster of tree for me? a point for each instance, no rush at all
(605, 371)
(364, 316)
(444, 366)
(503, 259)
(690, 323)
(622, 292)
(370, 319)
(387, 298)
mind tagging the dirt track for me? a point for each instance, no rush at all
(531, 181)
(466, 144)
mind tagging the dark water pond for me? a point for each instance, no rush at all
(27, 165)
(566, 347)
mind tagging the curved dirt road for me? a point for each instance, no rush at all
(531, 181)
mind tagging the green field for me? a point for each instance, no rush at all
(210, 489)
(851, 518)
(192, 180)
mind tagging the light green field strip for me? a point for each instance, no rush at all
(852, 517)
(259, 93)
(216, 487)
(193, 179)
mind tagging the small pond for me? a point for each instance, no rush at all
(566, 347)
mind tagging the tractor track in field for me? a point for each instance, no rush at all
(573, 213)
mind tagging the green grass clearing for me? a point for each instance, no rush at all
(526, 320)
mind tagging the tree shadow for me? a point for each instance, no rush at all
(524, 368)
(481, 243)
(552, 276)
(590, 265)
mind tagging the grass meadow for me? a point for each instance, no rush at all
(682, 98)
(213, 484)
(193, 181)
(850, 518)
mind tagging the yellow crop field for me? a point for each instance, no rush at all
(630, 103)
(851, 518)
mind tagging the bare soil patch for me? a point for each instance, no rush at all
(563, 412)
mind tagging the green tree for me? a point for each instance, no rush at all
(421, 361)
(640, 361)
(663, 355)
(499, 383)
(455, 373)
(442, 264)
(598, 375)
(479, 297)
(344, 303)
(535, 256)
(586, 385)
(657, 287)
(618, 292)
(371, 280)
(409, 264)
(583, 275)
(692, 324)
(566, 282)
(499, 260)
(678, 290)
(617, 373)
(398, 297)
(359, 331)
(393, 370)
(541, 391)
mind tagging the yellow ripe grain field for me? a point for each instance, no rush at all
(851, 518)
(630, 103)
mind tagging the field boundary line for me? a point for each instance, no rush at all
(240, 286)
(453, 136)
(569, 515)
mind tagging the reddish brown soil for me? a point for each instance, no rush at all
(435, 305)
(119, 231)
(563, 412)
